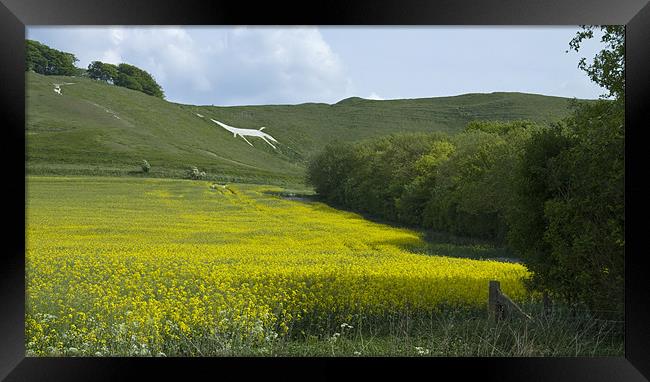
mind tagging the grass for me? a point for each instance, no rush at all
(98, 129)
(174, 265)
(120, 262)
(459, 334)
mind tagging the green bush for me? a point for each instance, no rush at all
(195, 174)
(44, 60)
(145, 166)
(554, 194)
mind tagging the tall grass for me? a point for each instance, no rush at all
(455, 333)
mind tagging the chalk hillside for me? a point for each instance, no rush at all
(80, 126)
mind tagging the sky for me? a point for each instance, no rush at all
(238, 65)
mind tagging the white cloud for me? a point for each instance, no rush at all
(117, 36)
(221, 66)
(169, 54)
(111, 56)
(290, 65)
(375, 96)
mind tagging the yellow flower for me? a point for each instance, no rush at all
(117, 258)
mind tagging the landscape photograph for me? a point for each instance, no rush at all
(324, 191)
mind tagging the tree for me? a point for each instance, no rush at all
(463, 202)
(98, 70)
(44, 60)
(132, 77)
(126, 81)
(570, 220)
(418, 190)
(36, 61)
(328, 170)
(608, 66)
(527, 219)
(586, 230)
(498, 127)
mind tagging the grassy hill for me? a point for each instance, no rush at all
(96, 128)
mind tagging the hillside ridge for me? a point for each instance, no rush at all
(91, 127)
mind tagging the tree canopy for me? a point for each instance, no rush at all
(135, 78)
(98, 70)
(608, 66)
(127, 76)
(554, 194)
(44, 60)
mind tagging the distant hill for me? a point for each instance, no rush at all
(96, 128)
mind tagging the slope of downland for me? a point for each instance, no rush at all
(94, 128)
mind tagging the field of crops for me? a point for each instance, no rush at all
(118, 266)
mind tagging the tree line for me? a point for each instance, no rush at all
(553, 193)
(44, 60)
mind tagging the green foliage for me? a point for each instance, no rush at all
(329, 171)
(44, 60)
(534, 185)
(74, 134)
(125, 75)
(569, 220)
(461, 204)
(385, 168)
(608, 66)
(586, 231)
(195, 174)
(126, 81)
(145, 166)
(132, 77)
(461, 184)
(498, 127)
(555, 192)
(418, 191)
(98, 70)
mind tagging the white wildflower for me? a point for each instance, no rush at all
(421, 350)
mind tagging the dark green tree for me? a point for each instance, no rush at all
(44, 60)
(328, 171)
(98, 70)
(418, 190)
(534, 185)
(570, 220)
(129, 82)
(132, 77)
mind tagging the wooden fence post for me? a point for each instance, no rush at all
(547, 303)
(501, 306)
(493, 300)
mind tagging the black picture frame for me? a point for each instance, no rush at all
(16, 14)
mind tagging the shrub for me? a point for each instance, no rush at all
(145, 166)
(194, 173)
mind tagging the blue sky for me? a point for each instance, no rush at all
(291, 65)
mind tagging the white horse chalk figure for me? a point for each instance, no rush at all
(247, 133)
(57, 87)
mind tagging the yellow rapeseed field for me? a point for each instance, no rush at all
(119, 266)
